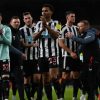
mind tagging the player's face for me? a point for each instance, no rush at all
(71, 18)
(81, 27)
(15, 23)
(46, 12)
(28, 20)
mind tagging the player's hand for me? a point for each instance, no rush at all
(24, 57)
(69, 35)
(73, 55)
(42, 18)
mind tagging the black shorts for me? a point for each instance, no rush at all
(46, 63)
(43, 64)
(4, 68)
(30, 67)
(53, 62)
(71, 64)
(61, 59)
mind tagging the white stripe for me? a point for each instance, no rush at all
(25, 33)
(52, 47)
(31, 48)
(57, 47)
(41, 49)
(64, 63)
(36, 51)
(46, 48)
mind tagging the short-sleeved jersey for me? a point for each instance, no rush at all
(27, 35)
(70, 44)
(48, 46)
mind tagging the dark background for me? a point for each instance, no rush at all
(85, 9)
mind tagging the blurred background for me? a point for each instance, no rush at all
(85, 9)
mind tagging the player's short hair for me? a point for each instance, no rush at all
(69, 12)
(26, 13)
(49, 6)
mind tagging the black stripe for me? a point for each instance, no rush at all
(43, 46)
(28, 32)
(39, 26)
(70, 29)
(33, 29)
(55, 47)
(63, 27)
(49, 24)
(33, 52)
(39, 48)
(28, 53)
(49, 46)
(60, 51)
(22, 34)
(74, 31)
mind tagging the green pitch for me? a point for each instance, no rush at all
(68, 94)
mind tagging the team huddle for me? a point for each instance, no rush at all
(40, 55)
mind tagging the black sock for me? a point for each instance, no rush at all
(63, 86)
(14, 88)
(48, 90)
(0, 89)
(39, 91)
(5, 88)
(57, 87)
(21, 91)
(27, 90)
(34, 88)
(75, 87)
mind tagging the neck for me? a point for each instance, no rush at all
(48, 19)
(29, 25)
(69, 24)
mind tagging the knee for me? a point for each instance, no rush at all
(37, 78)
(75, 75)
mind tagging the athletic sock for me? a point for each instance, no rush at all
(75, 87)
(5, 88)
(48, 90)
(0, 89)
(39, 91)
(27, 90)
(63, 86)
(34, 88)
(57, 87)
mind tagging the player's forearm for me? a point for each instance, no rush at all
(53, 33)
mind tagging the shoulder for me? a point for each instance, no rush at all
(6, 27)
(92, 30)
(21, 28)
(63, 27)
(39, 22)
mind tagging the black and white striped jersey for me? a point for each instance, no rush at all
(48, 46)
(27, 35)
(70, 44)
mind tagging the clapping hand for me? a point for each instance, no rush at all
(69, 35)
(73, 55)
(42, 18)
